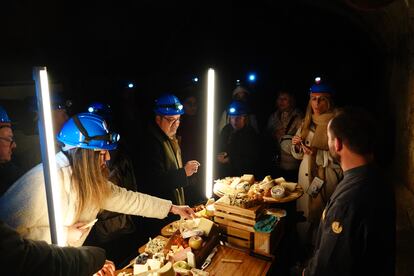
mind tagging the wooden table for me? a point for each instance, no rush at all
(250, 265)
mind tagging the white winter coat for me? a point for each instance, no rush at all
(333, 174)
(24, 205)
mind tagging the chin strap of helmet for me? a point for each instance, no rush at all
(88, 138)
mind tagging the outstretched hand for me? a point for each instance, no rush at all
(107, 270)
(183, 210)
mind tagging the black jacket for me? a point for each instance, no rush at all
(159, 165)
(357, 230)
(20, 256)
(243, 149)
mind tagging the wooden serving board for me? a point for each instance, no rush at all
(290, 196)
(169, 229)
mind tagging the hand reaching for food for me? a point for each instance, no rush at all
(183, 210)
(107, 270)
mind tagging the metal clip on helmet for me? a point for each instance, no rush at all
(100, 109)
(3, 116)
(169, 105)
(88, 131)
(238, 108)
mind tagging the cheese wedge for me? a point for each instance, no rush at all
(206, 225)
(279, 180)
(247, 177)
(290, 186)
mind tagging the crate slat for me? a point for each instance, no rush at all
(239, 242)
(250, 212)
(231, 231)
(234, 224)
(236, 218)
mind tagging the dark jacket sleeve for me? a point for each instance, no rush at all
(244, 158)
(157, 171)
(159, 180)
(28, 257)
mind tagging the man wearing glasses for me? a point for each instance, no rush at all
(166, 175)
(8, 171)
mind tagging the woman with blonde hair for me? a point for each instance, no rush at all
(318, 172)
(84, 185)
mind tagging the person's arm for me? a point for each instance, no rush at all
(296, 150)
(134, 203)
(19, 256)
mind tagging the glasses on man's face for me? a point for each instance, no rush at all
(171, 121)
(8, 140)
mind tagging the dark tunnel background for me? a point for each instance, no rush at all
(93, 51)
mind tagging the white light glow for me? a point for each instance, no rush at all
(51, 155)
(210, 133)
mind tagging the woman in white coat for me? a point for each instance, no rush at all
(84, 186)
(310, 144)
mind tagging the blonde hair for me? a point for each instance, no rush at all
(307, 121)
(89, 179)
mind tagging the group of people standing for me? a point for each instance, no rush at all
(321, 149)
(330, 152)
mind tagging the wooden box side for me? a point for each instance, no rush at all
(252, 212)
(235, 224)
(266, 243)
(228, 216)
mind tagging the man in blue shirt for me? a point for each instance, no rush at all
(357, 228)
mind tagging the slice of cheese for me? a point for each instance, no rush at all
(291, 186)
(279, 180)
(206, 225)
(247, 177)
(236, 180)
(153, 264)
(191, 259)
(139, 268)
(166, 270)
(267, 178)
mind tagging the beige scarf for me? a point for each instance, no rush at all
(320, 138)
(319, 142)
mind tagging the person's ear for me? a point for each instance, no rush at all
(338, 144)
(158, 119)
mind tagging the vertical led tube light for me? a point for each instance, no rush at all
(47, 144)
(210, 133)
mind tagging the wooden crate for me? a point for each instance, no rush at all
(237, 237)
(237, 217)
(266, 243)
(237, 226)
